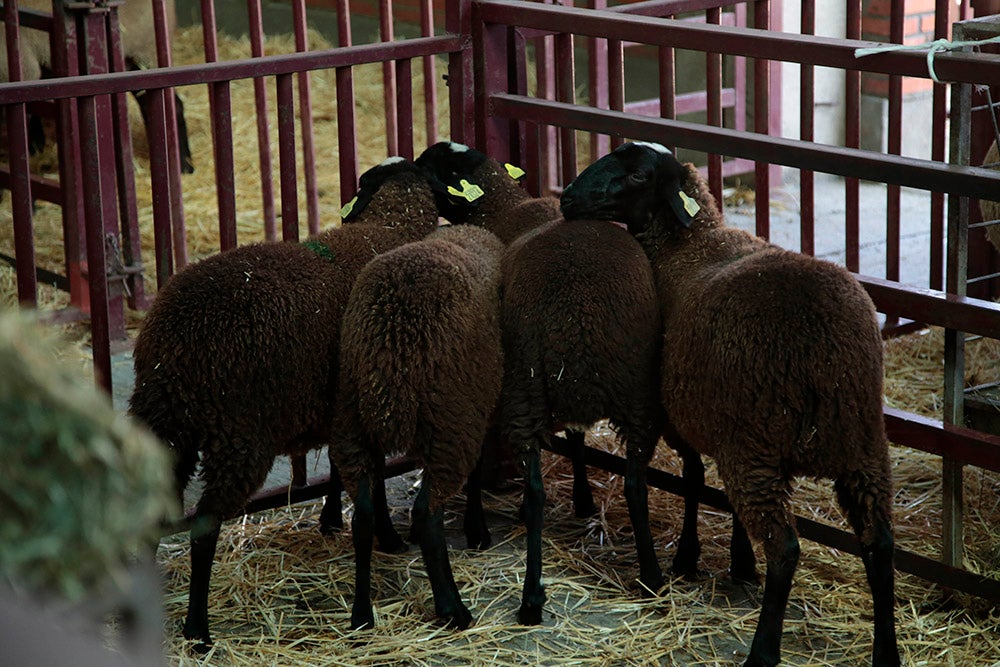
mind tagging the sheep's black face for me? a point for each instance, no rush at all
(453, 164)
(632, 185)
(373, 179)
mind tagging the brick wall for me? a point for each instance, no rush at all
(918, 28)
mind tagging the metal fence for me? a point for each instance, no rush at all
(492, 104)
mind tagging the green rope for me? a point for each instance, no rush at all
(937, 46)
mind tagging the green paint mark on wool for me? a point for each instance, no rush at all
(320, 249)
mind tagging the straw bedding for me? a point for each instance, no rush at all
(281, 592)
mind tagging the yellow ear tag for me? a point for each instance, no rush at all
(348, 207)
(470, 191)
(515, 172)
(690, 205)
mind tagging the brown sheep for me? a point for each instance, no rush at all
(237, 359)
(509, 212)
(772, 365)
(420, 373)
(580, 325)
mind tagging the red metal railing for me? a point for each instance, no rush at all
(507, 114)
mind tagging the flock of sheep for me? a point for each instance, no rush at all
(628, 300)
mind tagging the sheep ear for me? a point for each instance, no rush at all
(353, 208)
(684, 207)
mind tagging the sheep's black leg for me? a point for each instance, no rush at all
(637, 498)
(477, 532)
(362, 529)
(583, 496)
(145, 102)
(742, 561)
(36, 134)
(389, 540)
(533, 597)
(204, 538)
(331, 519)
(693, 476)
(871, 523)
(429, 527)
(782, 559)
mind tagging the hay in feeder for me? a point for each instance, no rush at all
(990, 208)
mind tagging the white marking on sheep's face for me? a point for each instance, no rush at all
(457, 147)
(391, 160)
(659, 148)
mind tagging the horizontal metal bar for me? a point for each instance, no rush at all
(904, 561)
(958, 443)
(868, 165)
(685, 103)
(669, 7)
(43, 275)
(32, 18)
(981, 68)
(977, 316)
(228, 70)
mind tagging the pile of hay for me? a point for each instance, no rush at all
(84, 488)
(282, 593)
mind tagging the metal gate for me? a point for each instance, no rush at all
(485, 42)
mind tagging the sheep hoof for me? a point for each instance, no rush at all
(362, 619)
(192, 632)
(478, 537)
(460, 619)
(328, 529)
(392, 543)
(651, 589)
(584, 509)
(741, 575)
(529, 614)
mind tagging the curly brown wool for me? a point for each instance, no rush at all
(237, 360)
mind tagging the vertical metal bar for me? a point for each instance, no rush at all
(668, 83)
(490, 54)
(346, 142)
(713, 87)
(954, 350)
(852, 104)
(158, 169)
(462, 102)
(263, 126)
(163, 59)
(286, 158)
(517, 82)
(404, 107)
(306, 121)
(430, 73)
(942, 20)
(597, 79)
(740, 77)
(616, 82)
(761, 119)
(388, 81)
(20, 175)
(566, 91)
(894, 147)
(95, 57)
(96, 261)
(131, 247)
(807, 88)
(545, 70)
(65, 62)
(220, 107)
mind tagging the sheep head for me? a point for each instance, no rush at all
(394, 169)
(633, 184)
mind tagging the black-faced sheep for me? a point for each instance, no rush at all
(420, 373)
(139, 48)
(237, 359)
(772, 365)
(507, 210)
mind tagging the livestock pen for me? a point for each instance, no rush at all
(328, 106)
